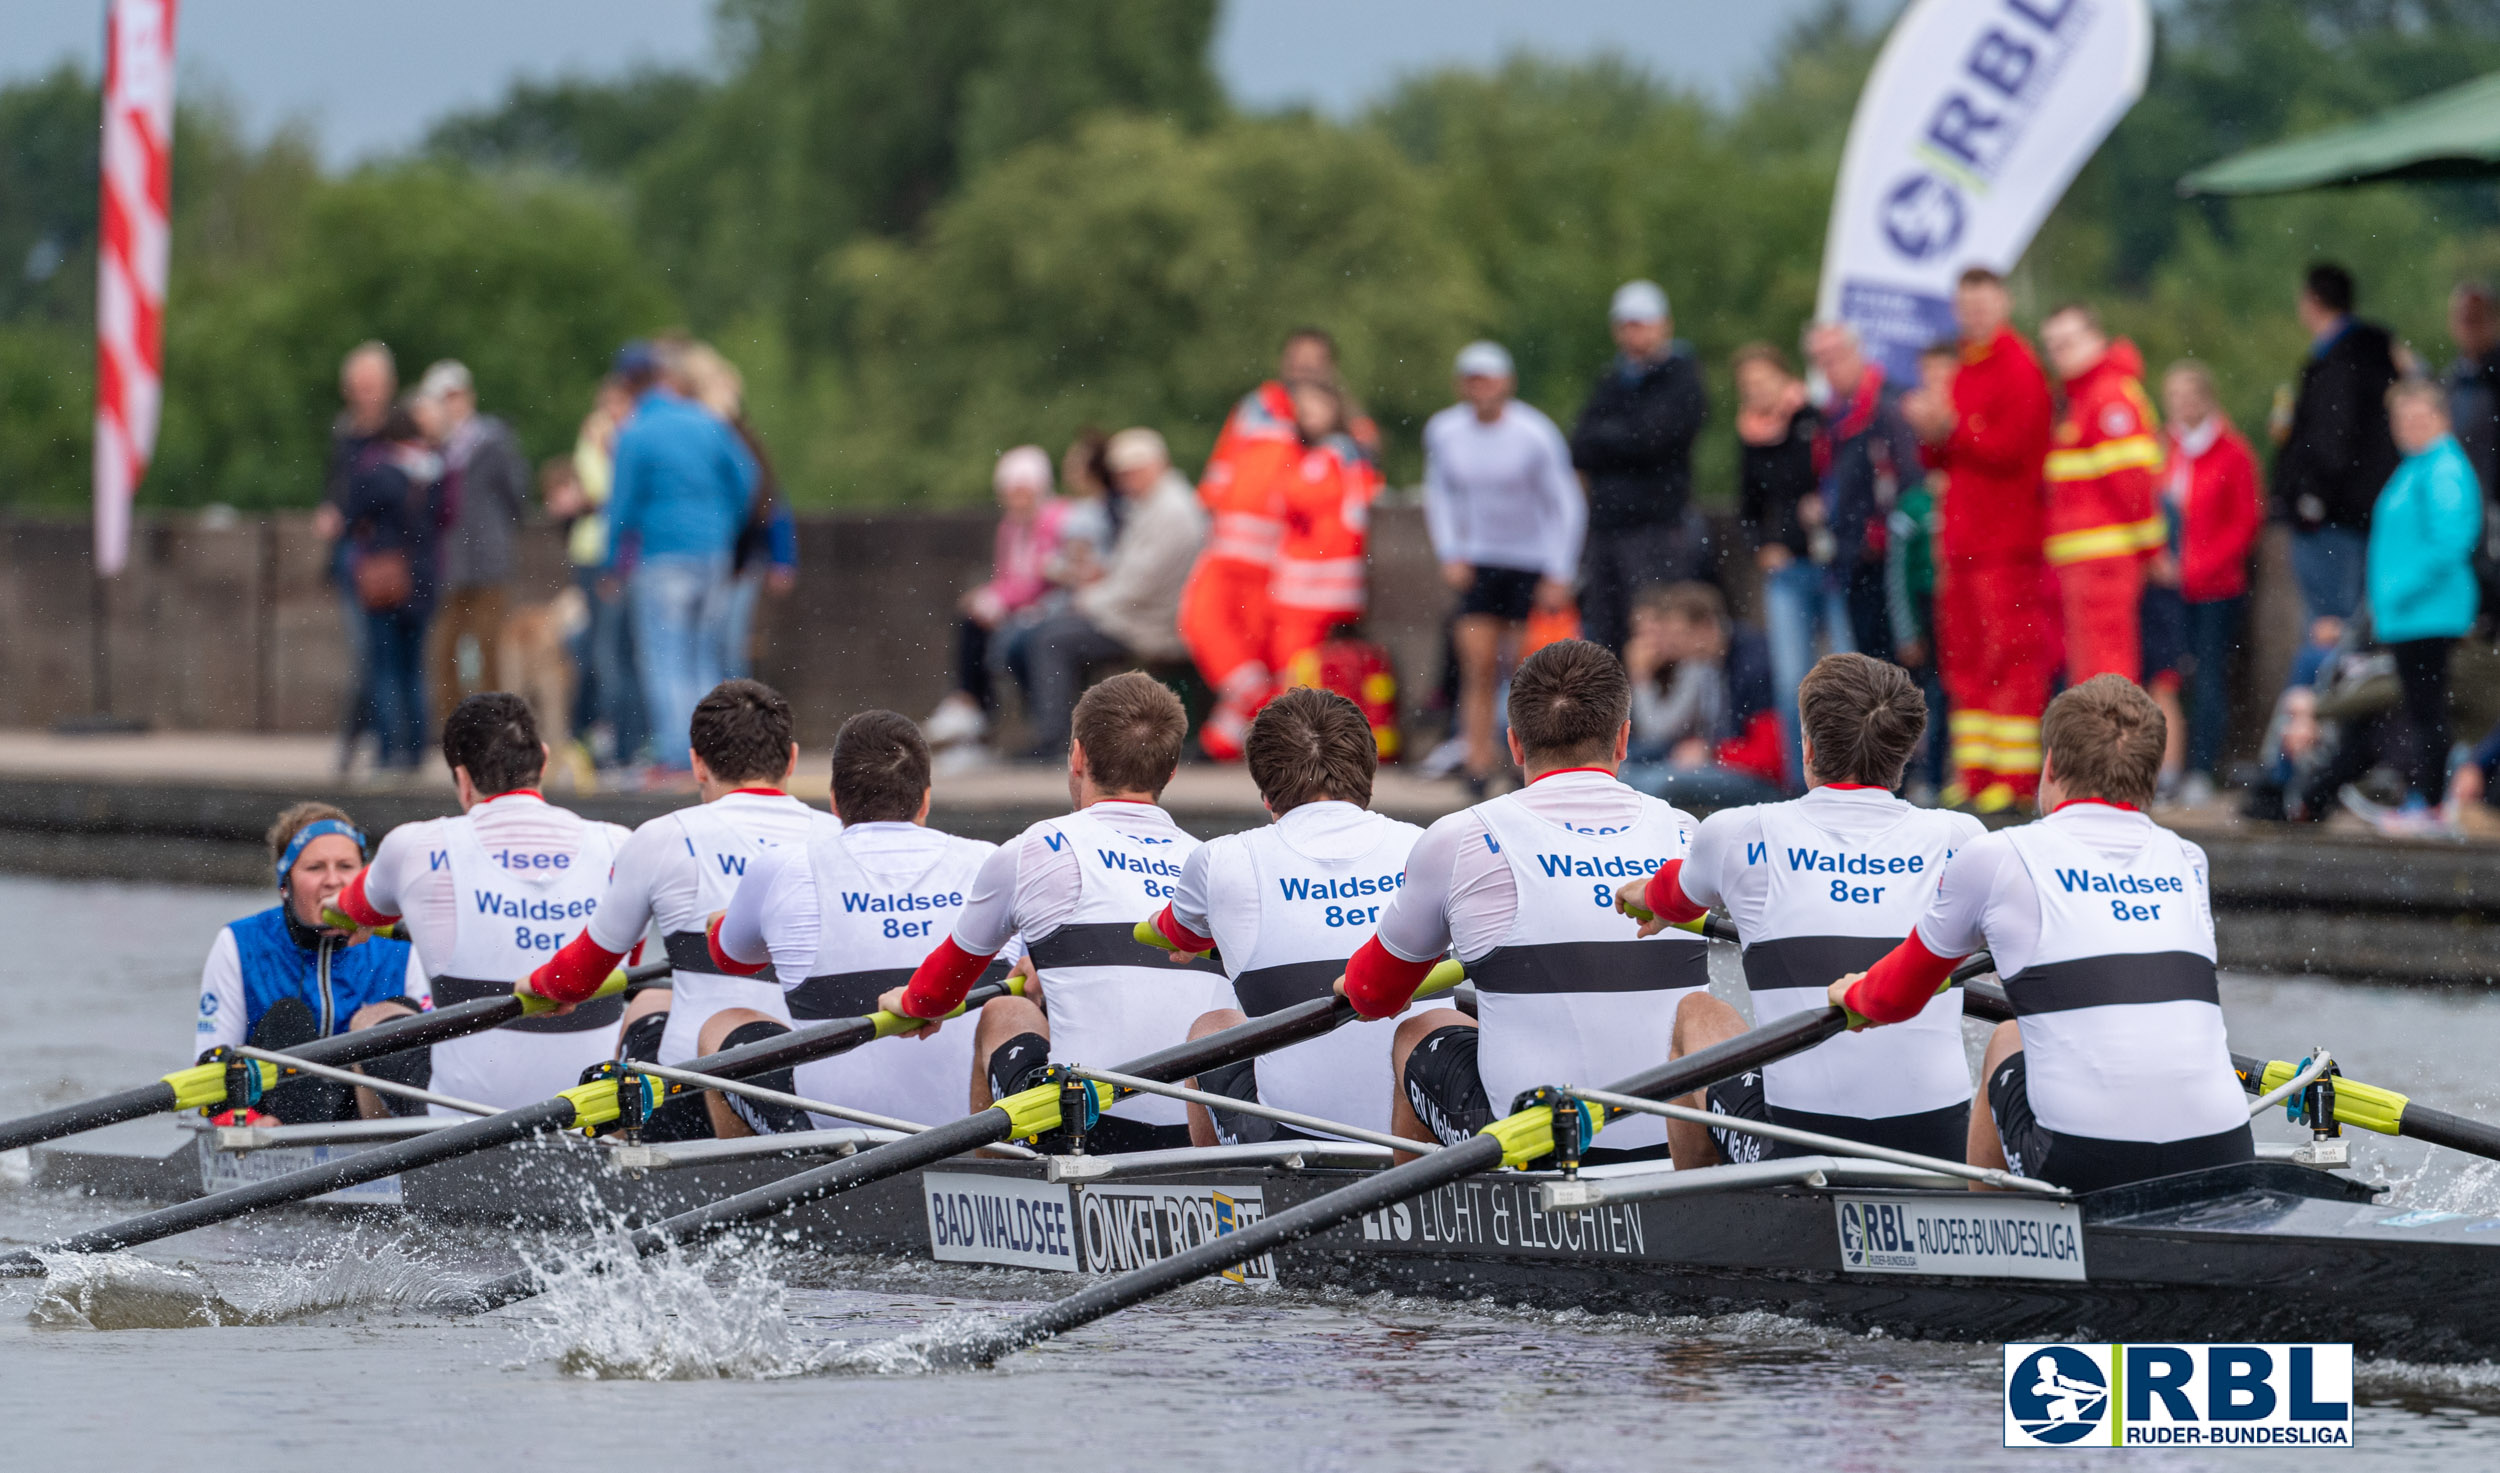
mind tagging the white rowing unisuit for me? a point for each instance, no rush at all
(2101, 923)
(674, 874)
(488, 896)
(1819, 887)
(1286, 905)
(1521, 888)
(1076, 887)
(846, 917)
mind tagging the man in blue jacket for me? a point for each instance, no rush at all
(2422, 593)
(683, 484)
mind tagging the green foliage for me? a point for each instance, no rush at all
(570, 126)
(49, 141)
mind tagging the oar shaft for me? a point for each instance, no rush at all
(51, 1125)
(2456, 1132)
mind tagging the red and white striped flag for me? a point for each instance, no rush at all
(130, 268)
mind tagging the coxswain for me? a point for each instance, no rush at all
(1074, 887)
(1284, 906)
(489, 894)
(2116, 1067)
(1521, 888)
(283, 977)
(1823, 883)
(842, 919)
(678, 871)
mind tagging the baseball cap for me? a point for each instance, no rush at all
(1639, 301)
(1026, 465)
(448, 376)
(1484, 358)
(637, 356)
(1136, 449)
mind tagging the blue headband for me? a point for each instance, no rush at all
(309, 832)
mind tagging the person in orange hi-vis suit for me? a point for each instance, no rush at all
(1988, 431)
(1226, 619)
(1320, 574)
(2104, 463)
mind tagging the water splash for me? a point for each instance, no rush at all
(2437, 1186)
(2475, 1382)
(717, 1312)
(122, 1291)
(359, 1270)
(962, 1342)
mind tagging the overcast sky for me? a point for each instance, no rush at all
(369, 75)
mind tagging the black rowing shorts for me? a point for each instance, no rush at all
(1944, 1132)
(1447, 1094)
(1240, 1081)
(2082, 1163)
(1504, 593)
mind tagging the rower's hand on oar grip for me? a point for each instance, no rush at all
(890, 1004)
(1632, 900)
(535, 1004)
(1839, 997)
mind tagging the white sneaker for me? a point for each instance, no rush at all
(1445, 760)
(2195, 790)
(957, 719)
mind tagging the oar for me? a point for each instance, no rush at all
(1022, 1116)
(1515, 1141)
(584, 1107)
(204, 1085)
(2369, 1106)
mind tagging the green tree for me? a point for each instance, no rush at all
(49, 145)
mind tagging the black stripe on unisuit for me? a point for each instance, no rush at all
(605, 1012)
(1106, 944)
(1593, 966)
(2113, 981)
(691, 951)
(1264, 990)
(1811, 961)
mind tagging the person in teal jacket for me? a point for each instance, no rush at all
(2422, 593)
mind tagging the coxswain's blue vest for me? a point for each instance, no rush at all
(329, 977)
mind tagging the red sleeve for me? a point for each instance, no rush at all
(944, 976)
(1181, 937)
(2246, 507)
(1381, 985)
(353, 904)
(728, 965)
(1897, 987)
(575, 972)
(1757, 750)
(1666, 899)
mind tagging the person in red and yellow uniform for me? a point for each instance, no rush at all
(2103, 466)
(1224, 614)
(1989, 434)
(1320, 573)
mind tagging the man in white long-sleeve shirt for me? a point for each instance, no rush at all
(1507, 516)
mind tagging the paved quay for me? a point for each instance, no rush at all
(190, 807)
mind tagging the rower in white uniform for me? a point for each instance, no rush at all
(1522, 889)
(2116, 1067)
(1284, 906)
(1818, 885)
(679, 870)
(489, 895)
(1074, 888)
(843, 919)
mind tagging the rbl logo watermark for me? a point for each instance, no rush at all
(2178, 1395)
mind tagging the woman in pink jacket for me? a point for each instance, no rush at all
(1028, 537)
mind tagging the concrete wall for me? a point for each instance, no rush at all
(226, 624)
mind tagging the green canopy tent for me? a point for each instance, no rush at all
(2448, 135)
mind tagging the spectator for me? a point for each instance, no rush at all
(2101, 520)
(684, 484)
(1865, 449)
(1780, 509)
(2474, 379)
(2421, 587)
(368, 379)
(766, 554)
(1990, 437)
(607, 700)
(1090, 520)
(1704, 730)
(1132, 611)
(2474, 788)
(1507, 519)
(1020, 556)
(394, 506)
(1634, 450)
(486, 495)
(1910, 577)
(2336, 452)
(2214, 509)
(1321, 579)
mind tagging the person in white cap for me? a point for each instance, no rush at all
(1130, 613)
(1507, 518)
(1634, 451)
(1020, 557)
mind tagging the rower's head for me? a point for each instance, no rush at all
(1311, 746)
(2101, 739)
(491, 745)
(1127, 741)
(1570, 706)
(1862, 719)
(743, 736)
(880, 770)
(314, 850)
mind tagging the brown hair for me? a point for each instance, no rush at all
(1694, 603)
(1759, 352)
(2104, 740)
(2415, 386)
(1131, 729)
(494, 735)
(1567, 702)
(880, 768)
(1864, 717)
(1977, 276)
(295, 820)
(1309, 744)
(742, 730)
